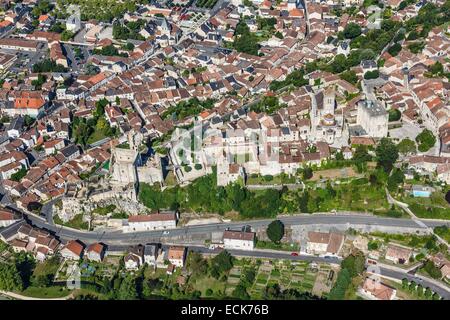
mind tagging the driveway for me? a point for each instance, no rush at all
(408, 130)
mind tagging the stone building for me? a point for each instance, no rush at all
(373, 118)
(326, 125)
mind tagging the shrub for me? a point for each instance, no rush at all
(371, 74)
(394, 115)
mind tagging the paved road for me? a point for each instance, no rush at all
(441, 290)
(22, 297)
(271, 255)
(118, 237)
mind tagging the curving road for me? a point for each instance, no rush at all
(383, 271)
(118, 237)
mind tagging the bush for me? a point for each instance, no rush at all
(198, 166)
(395, 49)
(371, 74)
(426, 140)
(372, 245)
(432, 270)
(307, 173)
(187, 168)
(394, 115)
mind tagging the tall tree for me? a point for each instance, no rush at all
(275, 231)
(387, 154)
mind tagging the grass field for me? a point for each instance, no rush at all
(49, 292)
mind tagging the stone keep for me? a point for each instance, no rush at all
(373, 118)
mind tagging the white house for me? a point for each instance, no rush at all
(324, 243)
(135, 257)
(150, 254)
(155, 221)
(240, 240)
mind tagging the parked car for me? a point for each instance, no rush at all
(295, 254)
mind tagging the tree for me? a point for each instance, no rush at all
(307, 173)
(419, 290)
(387, 154)
(127, 290)
(279, 35)
(340, 287)
(10, 279)
(240, 292)
(221, 263)
(66, 35)
(436, 296)
(432, 270)
(361, 154)
(349, 76)
(48, 65)
(43, 280)
(19, 175)
(303, 202)
(339, 156)
(272, 291)
(426, 140)
(394, 115)
(412, 286)
(244, 40)
(436, 69)
(395, 179)
(354, 263)
(371, 74)
(416, 47)
(428, 293)
(196, 264)
(395, 49)
(352, 30)
(407, 146)
(275, 231)
(405, 283)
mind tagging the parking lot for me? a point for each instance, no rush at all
(26, 59)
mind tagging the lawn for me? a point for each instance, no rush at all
(170, 179)
(49, 266)
(49, 292)
(97, 135)
(268, 180)
(337, 173)
(356, 195)
(204, 283)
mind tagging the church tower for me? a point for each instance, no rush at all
(329, 101)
